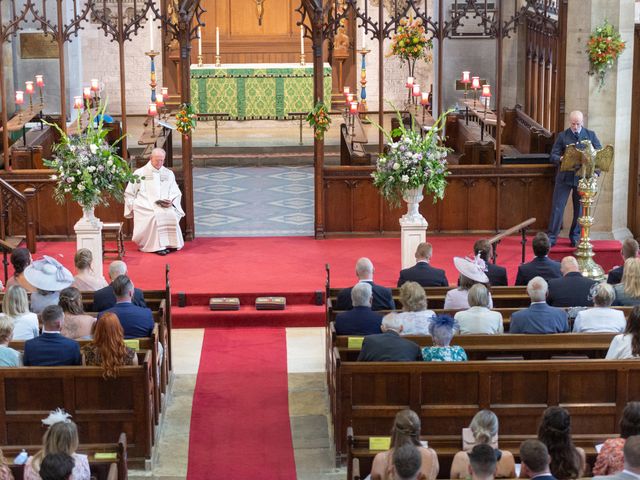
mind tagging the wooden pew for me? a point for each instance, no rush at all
(101, 408)
(524, 139)
(368, 394)
(101, 468)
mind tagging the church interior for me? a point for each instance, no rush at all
(277, 124)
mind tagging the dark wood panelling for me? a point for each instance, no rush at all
(478, 199)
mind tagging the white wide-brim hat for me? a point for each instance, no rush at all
(471, 268)
(48, 274)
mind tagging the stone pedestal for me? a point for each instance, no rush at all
(89, 235)
(413, 227)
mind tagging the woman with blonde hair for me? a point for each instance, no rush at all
(86, 280)
(61, 437)
(107, 348)
(15, 307)
(8, 356)
(406, 429)
(77, 324)
(484, 430)
(415, 317)
(628, 292)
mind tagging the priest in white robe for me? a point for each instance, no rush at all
(154, 204)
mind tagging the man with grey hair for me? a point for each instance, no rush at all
(572, 289)
(389, 346)
(601, 318)
(154, 205)
(360, 320)
(136, 321)
(567, 182)
(539, 317)
(382, 297)
(105, 298)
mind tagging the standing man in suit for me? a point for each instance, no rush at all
(422, 272)
(389, 346)
(51, 349)
(535, 460)
(360, 320)
(136, 321)
(497, 274)
(105, 298)
(382, 296)
(541, 265)
(629, 250)
(572, 289)
(631, 452)
(567, 182)
(539, 317)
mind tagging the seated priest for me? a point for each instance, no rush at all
(154, 204)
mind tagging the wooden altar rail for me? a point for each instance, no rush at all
(522, 227)
(478, 199)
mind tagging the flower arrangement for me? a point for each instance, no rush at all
(411, 162)
(86, 167)
(604, 47)
(410, 40)
(319, 119)
(186, 119)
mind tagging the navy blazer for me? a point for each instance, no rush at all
(424, 274)
(389, 347)
(358, 321)
(538, 267)
(497, 275)
(136, 321)
(105, 298)
(539, 318)
(572, 290)
(563, 140)
(382, 298)
(51, 350)
(615, 275)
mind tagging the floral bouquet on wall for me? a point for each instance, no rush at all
(604, 47)
(412, 162)
(86, 167)
(186, 119)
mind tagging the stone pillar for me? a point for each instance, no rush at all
(89, 235)
(607, 111)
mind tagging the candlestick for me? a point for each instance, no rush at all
(19, 101)
(165, 93)
(40, 84)
(150, 30)
(153, 111)
(29, 89)
(349, 98)
(77, 102)
(466, 80)
(415, 90)
(409, 83)
(475, 84)
(199, 47)
(302, 40)
(363, 85)
(86, 93)
(218, 64)
(152, 82)
(345, 91)
(217, 41)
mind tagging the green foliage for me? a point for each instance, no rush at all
(319, 119)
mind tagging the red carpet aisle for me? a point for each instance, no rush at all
(240, 419)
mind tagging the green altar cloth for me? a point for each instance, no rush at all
(255, 91)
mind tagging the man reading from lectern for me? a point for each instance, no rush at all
(154, 204)
(567, 182)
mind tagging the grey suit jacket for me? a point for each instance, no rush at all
(615, 476)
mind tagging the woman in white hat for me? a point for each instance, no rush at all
(49, 277)
(471, 272)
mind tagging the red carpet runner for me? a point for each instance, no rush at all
(240, 420)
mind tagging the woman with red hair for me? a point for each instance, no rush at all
(107, 348)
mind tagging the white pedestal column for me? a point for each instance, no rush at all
(89, 235)
(413, 227)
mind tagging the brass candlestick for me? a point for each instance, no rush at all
(363, 85)
(199, 60)
(218, 63)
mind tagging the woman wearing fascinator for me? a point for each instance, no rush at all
(48, 276)
(60, 437)
(471, 272)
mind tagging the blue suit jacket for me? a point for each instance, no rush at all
(136, 321)
(572, 290)
(615, 275)
(538, 267)
(105, 298)
(51, 350)
(539, 318)
(389, 347)
(382, 298)
(358, 321)
(424, 274)
(565, 139)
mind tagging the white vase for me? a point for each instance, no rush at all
(413, 197)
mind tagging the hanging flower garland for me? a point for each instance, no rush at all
(604, 47)
(319, 119)
(186, 119)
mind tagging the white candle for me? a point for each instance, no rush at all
(364, 38)
(301, 39)
(199, 42)
(218, 41)
(150, 31)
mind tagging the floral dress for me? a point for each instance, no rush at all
(92, 357)
(444, 354)
(610, 459)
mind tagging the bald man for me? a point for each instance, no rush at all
(567, 182)
(572, 289)
(154, 204)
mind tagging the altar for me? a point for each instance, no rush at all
(256, 91)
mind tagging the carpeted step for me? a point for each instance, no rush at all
(248, 316)
(249, 298)
(607, 252)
